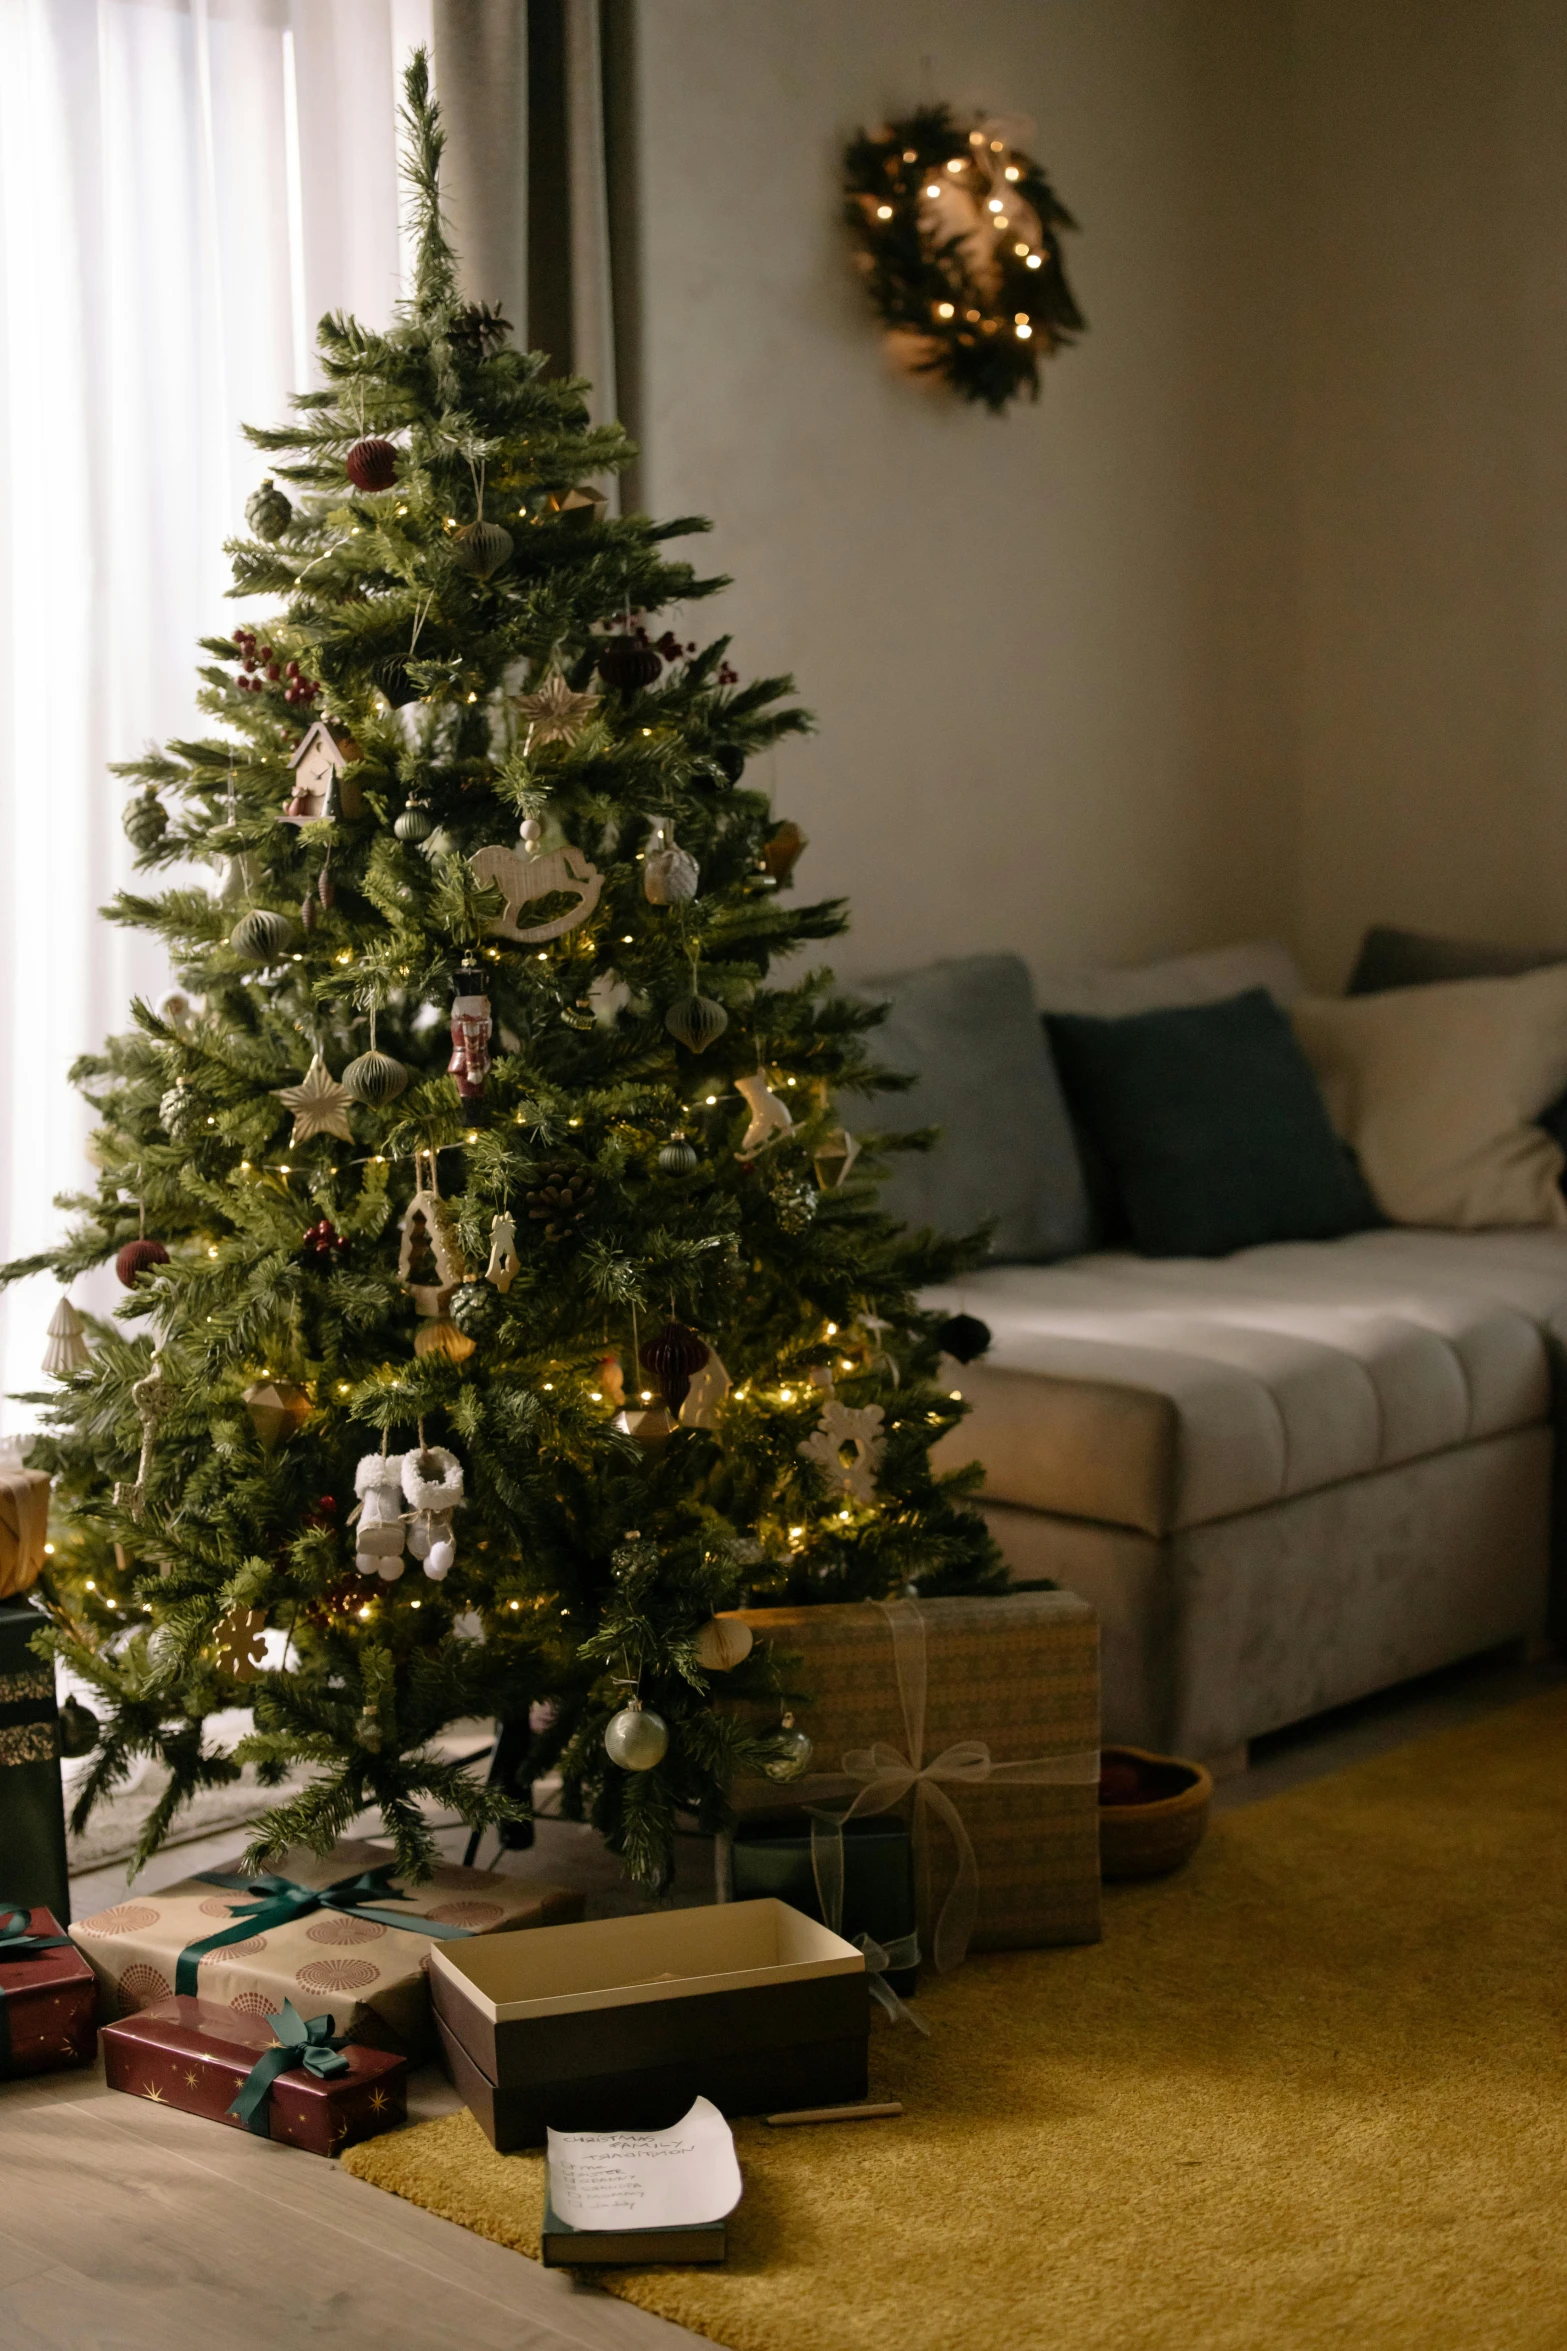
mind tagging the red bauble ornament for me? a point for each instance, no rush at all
(136, 1257)
(371, 464)
(672, 1355)
(628, 663)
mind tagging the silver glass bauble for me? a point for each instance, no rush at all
(636, 1738)
(792, 1751)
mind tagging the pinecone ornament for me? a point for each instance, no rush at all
(268, 512)
(179, 1113)
(146, 821)
(476, 1310)
(559, 1201)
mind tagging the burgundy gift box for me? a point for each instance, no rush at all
(47, 2003)
(196, 2055)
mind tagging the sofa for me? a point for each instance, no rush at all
(1285, 1477)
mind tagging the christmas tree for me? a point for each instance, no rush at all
(480, 1356)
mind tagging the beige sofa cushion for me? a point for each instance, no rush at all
(1157, 1394)
(1437, 1088)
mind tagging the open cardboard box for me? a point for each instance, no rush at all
(617, 2024)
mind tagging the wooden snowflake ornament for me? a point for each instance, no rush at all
(846, 1445)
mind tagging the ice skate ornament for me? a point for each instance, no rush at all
(708, 1388)
(769, 1118)
(537, 873)
(855, 1429)
(471, 1026)
(432, 1488)
(378, 1481)
(504, 1264)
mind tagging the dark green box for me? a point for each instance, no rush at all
(771, 1854)
(32, 1809)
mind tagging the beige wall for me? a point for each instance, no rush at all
(1051, 653)
(1431, 444)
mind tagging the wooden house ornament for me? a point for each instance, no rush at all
(322, 765)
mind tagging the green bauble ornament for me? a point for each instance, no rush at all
(78, 1728)
(476, 1310)
(268, 512)
(636, 1738)
(697, 1021)
(146, 821)
(415, 823)
(677, 1157)
(480, 547)
(261, 935)
(375, 1078)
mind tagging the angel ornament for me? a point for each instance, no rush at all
(538, 873)
(847, 1444)
(504, 1264)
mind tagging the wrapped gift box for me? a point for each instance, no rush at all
(347, 1953)
(198, 2056)
(32, 1810)
(1002, 1698)
(48, 1997)
(620, 2023)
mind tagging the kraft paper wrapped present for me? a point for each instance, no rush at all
(344, 1931)
(976, 1720)
(24, 1523)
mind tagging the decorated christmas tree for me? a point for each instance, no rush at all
(506, 1295)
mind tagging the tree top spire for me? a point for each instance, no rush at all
(424, 143)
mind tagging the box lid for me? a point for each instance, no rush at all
(625, 1962)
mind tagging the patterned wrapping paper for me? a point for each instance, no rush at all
(371, 1975)
(196, 2056)
(47, 2005)
(1019, 1672)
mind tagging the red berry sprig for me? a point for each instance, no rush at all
(325, 1241)
(260, 667)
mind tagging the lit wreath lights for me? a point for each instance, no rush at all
(959, 238)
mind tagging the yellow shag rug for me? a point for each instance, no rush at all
(1311, 2092)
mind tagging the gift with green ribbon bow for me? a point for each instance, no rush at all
(281, 2076)
(341, 1931)
(314, 2046)
(46, 2001)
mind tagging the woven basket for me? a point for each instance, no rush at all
(1150, 1839)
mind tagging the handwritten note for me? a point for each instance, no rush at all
(680, 2178)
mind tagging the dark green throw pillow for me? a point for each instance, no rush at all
(1212, 1125)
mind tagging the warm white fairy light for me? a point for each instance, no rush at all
(884, 212)
(1036, 261)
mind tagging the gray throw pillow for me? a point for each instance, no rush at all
(1391, 958)
(968, 1032)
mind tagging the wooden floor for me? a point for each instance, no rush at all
(125, 2227)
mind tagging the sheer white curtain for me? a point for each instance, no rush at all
(185, 186)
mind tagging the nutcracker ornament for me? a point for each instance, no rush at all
(471, 1027)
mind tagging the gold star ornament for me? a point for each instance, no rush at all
(319, 1103)
(554, 713)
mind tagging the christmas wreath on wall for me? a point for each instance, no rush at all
(959, 236)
